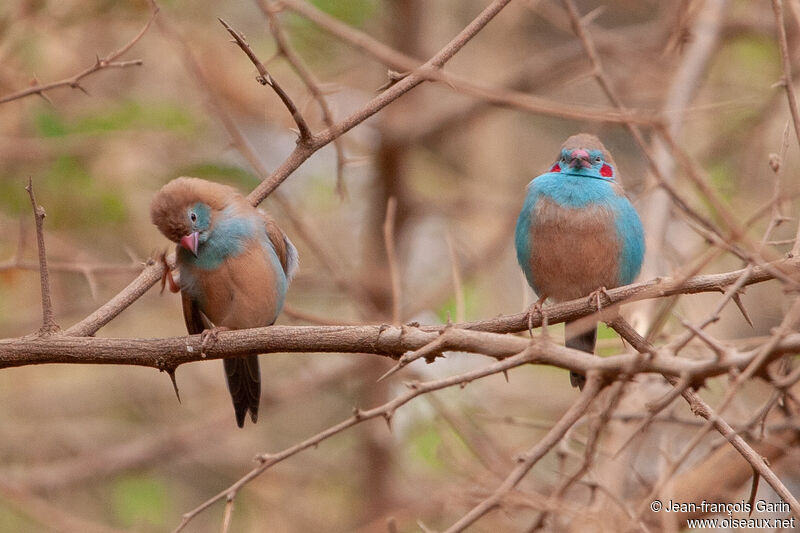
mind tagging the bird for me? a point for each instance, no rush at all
(578, 234)
(234, 267)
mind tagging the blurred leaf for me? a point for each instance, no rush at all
(73, 199)
(138, 500)
(49, 124)
(605, 332)
(353, 12)
(234, 175)
(721, 173)
(129, 115)
(13, 198)
(122, 116)
(424, 444)
(470, 301)
(12, 521)
(313, 44)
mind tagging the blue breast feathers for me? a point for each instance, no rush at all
(579, 191)
(226, 239)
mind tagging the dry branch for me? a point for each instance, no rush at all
(100, 63)
(385, 340)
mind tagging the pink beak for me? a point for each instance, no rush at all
(190, 242)
(579, 158)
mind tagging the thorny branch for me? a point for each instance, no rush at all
(101, 63)
(264, 78)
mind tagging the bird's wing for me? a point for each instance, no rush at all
(631, 233)
(195, 320)
(287, 253)
(522, 234)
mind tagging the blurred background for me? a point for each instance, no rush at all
(95, 448)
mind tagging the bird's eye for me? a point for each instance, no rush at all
(597, 159)
(563, 159)
(193, 217)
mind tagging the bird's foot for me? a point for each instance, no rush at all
(537, 306)
(595, 297)
(168, 277)
(209, 337)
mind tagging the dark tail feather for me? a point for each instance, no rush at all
(244, 384)
(580, 340)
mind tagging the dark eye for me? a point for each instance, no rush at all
(597, 159)
(563, 159)
(193, 217)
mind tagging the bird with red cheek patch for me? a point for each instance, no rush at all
(578, 233)
(235, 267)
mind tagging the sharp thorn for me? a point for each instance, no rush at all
(738, 301)
(389, 372)
(171, 373)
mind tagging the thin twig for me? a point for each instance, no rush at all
(385, 411)
(527, 460)
(49, 325)
(100, 63)
(702, 409)
(311, 83)
(264, 78)
(786, 79)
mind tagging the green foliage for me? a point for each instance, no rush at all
(424, 445)
(11, 521)
(81, 201)
(123, 116)
(313, 44)
(605, 332)
(73, 198)
(138, 500)
(352, 12)
(232, 174)
(470, 294)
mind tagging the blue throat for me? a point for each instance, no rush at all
(226, 239)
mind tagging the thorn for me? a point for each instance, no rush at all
(392, 78)
(46, 98)
(171, 373)
(389, 372)
(388, 418)
(81, 88)
(505, 373)
(738, 301)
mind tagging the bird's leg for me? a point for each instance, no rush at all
(595, 297)
(537, 306)
(209, 338)
(167, 277)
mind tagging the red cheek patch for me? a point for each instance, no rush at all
(606, 171)
(555, 168)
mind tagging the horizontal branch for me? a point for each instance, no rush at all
(169, 353)
(655, 288)
(482, 337)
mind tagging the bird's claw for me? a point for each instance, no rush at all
(167, 276)
(209, 337)
(595, 297)
(538, 307)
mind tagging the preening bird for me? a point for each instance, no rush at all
(235, 265)
(578, 233)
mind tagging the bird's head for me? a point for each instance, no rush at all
(584, 155)
(185, 210)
